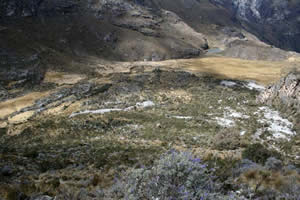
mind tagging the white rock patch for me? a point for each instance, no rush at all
(251, 85)
(225, 122)
(254, 86)
(234, 114)
(144, 104)
(279, 127)
(228, 83)
(229, 116)
(242, 133)
(182, 117)
(100, 111)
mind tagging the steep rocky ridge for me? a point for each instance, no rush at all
(222, 29)
(274, 21)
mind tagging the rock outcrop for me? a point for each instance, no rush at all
(285, 96)
(287, 90)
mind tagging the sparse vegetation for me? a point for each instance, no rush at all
(66, 154)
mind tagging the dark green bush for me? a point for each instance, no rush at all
(258, 153)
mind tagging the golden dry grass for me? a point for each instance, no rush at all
(61, 78)
(16, 104)
(264, 72)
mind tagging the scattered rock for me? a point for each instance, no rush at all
(137, 69)
(158, 125)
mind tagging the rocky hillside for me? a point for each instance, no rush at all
(116, 30)
(274, 21)
(168, 29)
(75, 136)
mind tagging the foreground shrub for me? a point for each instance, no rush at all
(176, 175)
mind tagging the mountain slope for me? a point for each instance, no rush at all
(276, 22)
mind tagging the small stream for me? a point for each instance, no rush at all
(214, 51)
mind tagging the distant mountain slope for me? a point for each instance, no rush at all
(36, 35)
(114, 30)
(274, 21)
(129, 30)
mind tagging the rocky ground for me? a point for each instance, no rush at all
(78, 132)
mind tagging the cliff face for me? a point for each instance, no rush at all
(275, 22)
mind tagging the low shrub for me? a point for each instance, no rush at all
(227, 139)
(271, 181)
(177, 175)
(273, 164)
